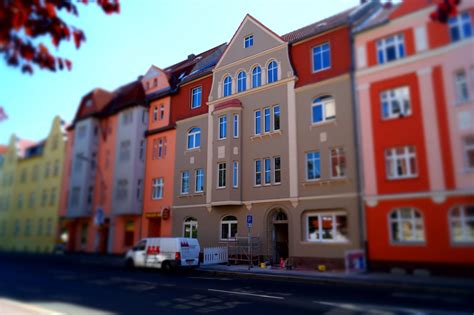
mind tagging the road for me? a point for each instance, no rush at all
(48, 286)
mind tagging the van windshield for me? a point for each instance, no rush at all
(140, 245)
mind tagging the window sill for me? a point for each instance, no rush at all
(321, 70)
(463, 102)
(328, 182)
(266, 134)
(200, 194)
(325, 242)
(408, 243)
(323, 123)
(402, 178)
(193, 150)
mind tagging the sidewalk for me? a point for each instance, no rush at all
(424, 283)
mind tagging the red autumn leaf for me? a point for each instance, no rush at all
(68, 64)
(27, 69)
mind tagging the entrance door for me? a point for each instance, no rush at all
(154, 228)
(280, 235)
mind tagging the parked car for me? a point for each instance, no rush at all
(164, 253)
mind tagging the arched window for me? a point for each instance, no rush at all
(228, 227)
(461, 222)
(241, 81)
(323, 108)
(194, 138)
(272, 72)
(190, 227)
(406, 226)
(227, 86)
(256, 77)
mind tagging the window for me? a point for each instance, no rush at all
(221, 174)
(401, 162)
(313, 166)
(222, 127)
(256, 77)
(157, 189)
(228, 228)
(16, 229)
(196, 97)
(395, 103)
(258, 172)
(190, 227)
(90, 195)
(52, 196)
(160, 148)
(323, 109)
(266, 120)
(124, 151)
(258, 122)
(460, 27)
(321, 57)
(162, 112)
(40, 227)
(83, 235)
(461, 221)
(155, 113)
(469, 153)
(81, 133)
(235, 174)
(248, 41)
(268, 171)
(276, 117)
(141, 153)
(35, 173)
(139, 189)
(44, 198)
(277, 170)
(194, 138)
(236, 126)
(185, 182)
(47, 170)
(327, 227)
(241, 82)
(75, 196)
(127, 117)
(199, 185)
(406, 225)
(56, 168)
(390, 48)
(31, 203)
(49, 227)
(27, 227)
(272, 72)
(20, 201)
(121, 192)
(338, 163)
(227, 86)
(462, 90)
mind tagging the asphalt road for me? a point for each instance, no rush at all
(49, 286)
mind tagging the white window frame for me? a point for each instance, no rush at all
(267, 162)
(322, 51)
(196, 94)
(199, 173)
(227, 84)
(257, 173)
(320, 216)
(463, 219)
(307, 169)
(248, 41)
(192, 223)
(323, 101)
(222, 134)
(340, 151)
(275, 114)
(229, 223)
(391, 158)
(466, 149)
(412, 220)
(235, 122)
(267, 112)
(193, 134)
(400, 95)
(270, 68)
(241, 82)
(219, 170)
(158, 186)
(183, 178)
(256, 75)
(382, 45)
(458, 21)
(461, 87)
(259, 123)
(162, 112)
(275, 169)
(235, 174)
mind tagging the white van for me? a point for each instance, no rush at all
(164, 253)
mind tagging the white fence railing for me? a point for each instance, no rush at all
(215, 255)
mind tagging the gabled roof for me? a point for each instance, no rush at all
(92, 104)
(381, 16)
(352, 15)
(130, 94)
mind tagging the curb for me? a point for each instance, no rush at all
(337, 281)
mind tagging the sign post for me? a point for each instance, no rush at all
(249, 241)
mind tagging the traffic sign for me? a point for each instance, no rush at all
(249, 220)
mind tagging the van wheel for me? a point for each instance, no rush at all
(166, 266)
(129, 264)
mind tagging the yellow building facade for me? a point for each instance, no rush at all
(30, 184)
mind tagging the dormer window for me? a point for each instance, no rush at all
(89, 103)
(248, 41)
(155, 82)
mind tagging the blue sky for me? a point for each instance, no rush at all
(121, 47)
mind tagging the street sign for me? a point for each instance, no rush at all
(249, 221)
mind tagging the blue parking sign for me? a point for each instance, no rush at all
(249, 220)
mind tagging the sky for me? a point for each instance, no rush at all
(121, 47)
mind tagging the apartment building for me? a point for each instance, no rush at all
(415, 86)
(104, 200)
(29, 198)
(277, 143)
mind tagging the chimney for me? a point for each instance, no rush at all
(191, 57)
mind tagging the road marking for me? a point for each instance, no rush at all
(249, 294)
(210, 278)
(30, 307)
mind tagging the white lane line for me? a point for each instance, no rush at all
(249, 294)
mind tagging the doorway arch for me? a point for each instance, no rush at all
(278, 236)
